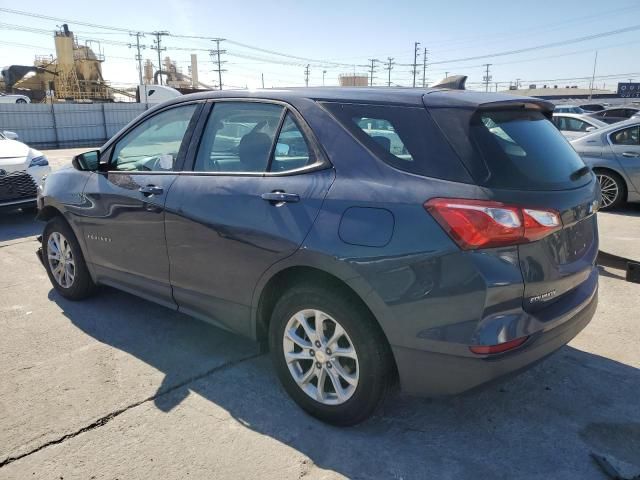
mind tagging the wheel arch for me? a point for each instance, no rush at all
(267, 296)
(49, 212)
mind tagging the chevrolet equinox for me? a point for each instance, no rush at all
(439, 237)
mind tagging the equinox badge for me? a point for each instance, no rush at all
(543, 297)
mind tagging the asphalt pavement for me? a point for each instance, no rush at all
(115, 387)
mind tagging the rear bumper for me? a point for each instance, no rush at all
(435, 374)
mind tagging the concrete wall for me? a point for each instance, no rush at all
(67, 125)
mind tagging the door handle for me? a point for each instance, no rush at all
(280, 197)
(630, 154)
(151, 190)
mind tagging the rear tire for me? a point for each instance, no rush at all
(348, 348)
(613, 189)
(21, 100)
(64, 262)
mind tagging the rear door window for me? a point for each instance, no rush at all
(402, 136)
(523, 150)
(628, 136)
(238, 137)
(292, 148)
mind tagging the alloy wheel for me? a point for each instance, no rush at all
(609, 189)
(61, 261)
(321, 357)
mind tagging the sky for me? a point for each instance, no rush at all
(341, 36)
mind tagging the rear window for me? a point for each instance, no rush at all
(403, 137)
(524, 150)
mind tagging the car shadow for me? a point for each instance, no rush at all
(627, 210)
(16, 224)
(540, 424)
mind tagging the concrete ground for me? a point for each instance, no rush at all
(119, 388)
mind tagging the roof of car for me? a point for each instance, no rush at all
(401, 96)
(619, 107)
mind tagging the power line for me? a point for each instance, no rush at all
(415, 62)
(543, 46)
(372, 69)
(158, 47)
(389, 67)
(138, 55)
(487, 77)
(216, 57)
(424, 68)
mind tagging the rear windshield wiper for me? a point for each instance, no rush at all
(581, 172)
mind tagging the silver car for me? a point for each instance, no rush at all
(614, 155)
(574, 125)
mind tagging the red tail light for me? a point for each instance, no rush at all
(499, 348)
(482, 224)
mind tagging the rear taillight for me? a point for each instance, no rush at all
(498, 348)
(482, 224)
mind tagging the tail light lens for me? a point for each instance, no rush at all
(474, 224)
(498, 348)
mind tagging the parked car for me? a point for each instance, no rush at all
(358, 234)
(568, 109)
(10, 135)
(593, 107)
(11, 98)
(614, 115)
(21, 171)
(614, 155)
(573, 125)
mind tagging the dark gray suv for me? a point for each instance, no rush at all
(440, 237)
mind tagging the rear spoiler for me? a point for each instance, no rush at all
(454, 82)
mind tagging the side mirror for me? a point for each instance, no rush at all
(10, 135)
(87, 162)
(590, 129)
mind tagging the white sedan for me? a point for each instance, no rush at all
(21, 171)
(10, 98)
(574, 125)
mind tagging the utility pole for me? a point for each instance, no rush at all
(262, 75)
(424, 68)
(496, 87)
(324, 72)
(306, 75)
(446, 74)
(415, 62)
(593, 77)
(487, 77)
(372, 68)
(138, 55)
(157, 46)
(216, 57)
(389, 67)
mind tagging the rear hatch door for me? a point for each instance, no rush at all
(514, 151)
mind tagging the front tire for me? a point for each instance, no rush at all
(613, 190)
(64, 262)
(329, 354)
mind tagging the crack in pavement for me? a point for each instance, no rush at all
(107, 418)
(30, 239)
